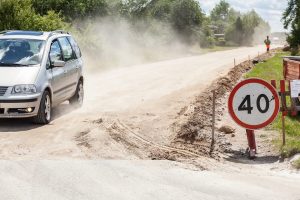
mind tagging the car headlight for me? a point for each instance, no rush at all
(24, 89)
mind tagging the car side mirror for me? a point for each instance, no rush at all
(58, 63)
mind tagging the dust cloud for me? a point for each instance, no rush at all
(260, 34)
(116, 42)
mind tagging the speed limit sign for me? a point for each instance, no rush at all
(253, 104)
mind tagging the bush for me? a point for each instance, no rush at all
(22, 16)
(72, 9)
(296, 164)
(161, 10)
(51, 21)
(294, 51)
(207, 41)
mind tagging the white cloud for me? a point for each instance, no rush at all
(269, 10)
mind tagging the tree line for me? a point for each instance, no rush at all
(186, 17)
(291, 20)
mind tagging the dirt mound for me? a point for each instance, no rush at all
(194, 124)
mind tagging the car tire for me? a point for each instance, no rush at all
(77, 99)
(45, 110)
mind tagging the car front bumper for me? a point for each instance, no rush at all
(16, 106)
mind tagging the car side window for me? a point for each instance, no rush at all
(55, 52)
(75, 47)
(66, 49)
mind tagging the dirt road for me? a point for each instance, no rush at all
(128, 112)
(145, 98)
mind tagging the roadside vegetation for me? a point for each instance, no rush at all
(272, 69)
(291, 20)
(296, 164)
(224, 26)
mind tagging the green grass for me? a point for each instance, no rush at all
(292, 128)
(269, 70)
(272, 70)
(296, 164)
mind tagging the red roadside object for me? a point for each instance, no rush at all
(253, 104)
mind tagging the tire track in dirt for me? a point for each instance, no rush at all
(132, 141)
(160, 147)
(120, 135)
(83, 141)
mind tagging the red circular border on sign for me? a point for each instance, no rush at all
(267, 85)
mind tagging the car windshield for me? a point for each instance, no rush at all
(20, 52)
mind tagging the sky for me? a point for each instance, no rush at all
(269, 10)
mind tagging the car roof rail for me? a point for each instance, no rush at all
(58, 32)
(21, 32)
(6, 31)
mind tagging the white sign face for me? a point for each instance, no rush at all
(253, 104)
(295, 88)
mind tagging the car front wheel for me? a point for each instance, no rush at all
(45, 110)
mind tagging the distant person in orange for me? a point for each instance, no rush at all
(268, 43)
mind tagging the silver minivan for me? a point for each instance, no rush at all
(38, 70)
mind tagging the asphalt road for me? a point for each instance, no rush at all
(147, 180)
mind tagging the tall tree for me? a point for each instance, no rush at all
(235, 32)
(220, 16)
(220, 11)
(135, 9)
(186, 14)
(161, 9)
(249, 28)
(291, 19)
(251, 20)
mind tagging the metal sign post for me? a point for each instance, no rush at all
(251, 143)
(253, 104)
(284, 109)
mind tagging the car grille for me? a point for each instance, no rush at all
(3, 90)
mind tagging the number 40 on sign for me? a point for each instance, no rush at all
(253, 104)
